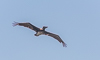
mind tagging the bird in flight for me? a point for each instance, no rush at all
(40, 31)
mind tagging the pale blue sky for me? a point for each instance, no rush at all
(77, 22)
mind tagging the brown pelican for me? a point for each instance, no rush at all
(40, 31)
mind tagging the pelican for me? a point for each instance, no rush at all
(40, 31)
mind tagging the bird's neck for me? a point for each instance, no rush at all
(44, 29)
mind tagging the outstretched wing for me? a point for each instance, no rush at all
(28, 25)
(56, 37)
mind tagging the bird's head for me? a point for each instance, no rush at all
(44, 27)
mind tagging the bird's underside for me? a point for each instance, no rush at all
(40, 31)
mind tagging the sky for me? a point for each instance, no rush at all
(77, 22)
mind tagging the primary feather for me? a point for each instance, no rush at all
(56, 37)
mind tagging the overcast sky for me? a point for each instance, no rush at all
(77, 22)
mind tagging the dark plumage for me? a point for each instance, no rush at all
(40, 31)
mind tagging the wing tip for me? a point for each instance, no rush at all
(64, 44)
(15, 23)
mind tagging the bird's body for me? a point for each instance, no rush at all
(40, 31)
